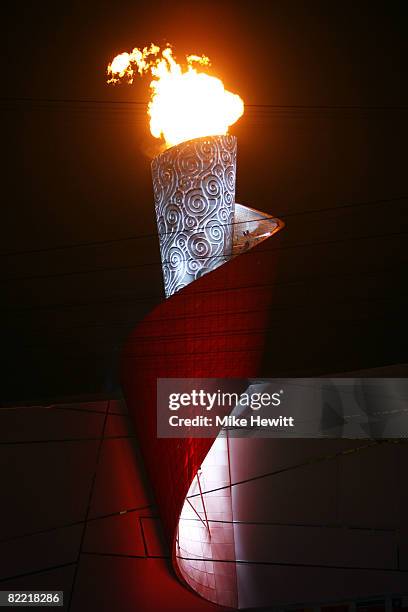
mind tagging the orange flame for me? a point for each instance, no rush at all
(184, 104)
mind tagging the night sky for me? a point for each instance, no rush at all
(322, 144)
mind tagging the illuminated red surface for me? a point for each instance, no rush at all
(213, 328)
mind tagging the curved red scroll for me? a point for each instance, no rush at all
(213, 328)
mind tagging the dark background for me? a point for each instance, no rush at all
(322, 144)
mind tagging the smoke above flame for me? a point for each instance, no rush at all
(185, 102)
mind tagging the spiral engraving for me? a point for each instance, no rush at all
(194, 195)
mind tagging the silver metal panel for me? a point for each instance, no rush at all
(194, 194)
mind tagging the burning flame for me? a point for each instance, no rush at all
(184, 104)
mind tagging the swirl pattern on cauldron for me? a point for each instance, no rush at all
(194, 195)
